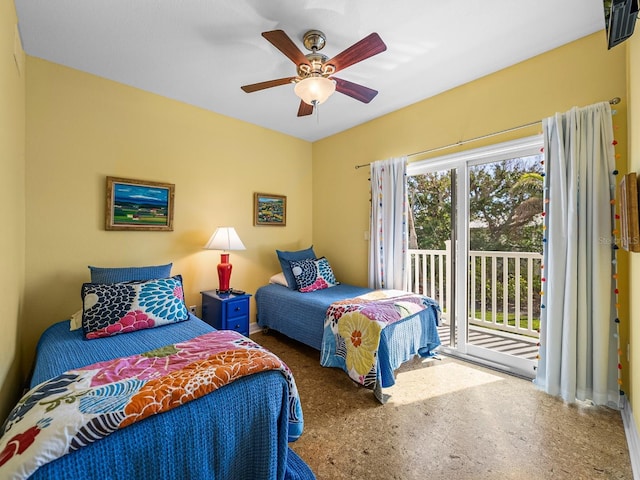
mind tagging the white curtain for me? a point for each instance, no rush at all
(578, 340)
(388, 231)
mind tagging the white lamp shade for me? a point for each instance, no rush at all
(225, 238)
(314, 90)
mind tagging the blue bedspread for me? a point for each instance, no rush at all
(239, 431)
(60, 350)
(301, 316)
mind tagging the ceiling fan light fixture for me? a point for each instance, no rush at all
(314, 90)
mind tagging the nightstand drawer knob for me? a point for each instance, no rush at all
(237, 309)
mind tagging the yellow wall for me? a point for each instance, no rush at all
(633, 86)
(82, 128)
(578, 74)
(12, 207)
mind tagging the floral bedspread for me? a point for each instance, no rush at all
(83, 405)
(353, 326)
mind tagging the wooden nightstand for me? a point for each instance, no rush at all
(226, 311)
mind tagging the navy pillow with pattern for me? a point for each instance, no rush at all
(313, 274)
(112, 308)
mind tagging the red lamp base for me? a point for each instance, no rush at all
(224, 273)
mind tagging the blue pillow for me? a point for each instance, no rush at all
(286, 257)
(129, 274)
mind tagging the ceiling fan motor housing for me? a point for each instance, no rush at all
(314, 40)
(316, 66)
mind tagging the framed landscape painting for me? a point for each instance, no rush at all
(269, 209)
(139, 205)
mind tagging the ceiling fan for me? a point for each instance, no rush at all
(315, 82)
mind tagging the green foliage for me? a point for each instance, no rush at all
(430, 206)
(505, 206)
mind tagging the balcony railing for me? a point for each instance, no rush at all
(504, 287)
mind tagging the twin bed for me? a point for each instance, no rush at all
(304, 317)
(240, 430)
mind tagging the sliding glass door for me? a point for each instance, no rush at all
(475, 242)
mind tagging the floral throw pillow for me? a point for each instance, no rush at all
(313, 274)
(113, 308)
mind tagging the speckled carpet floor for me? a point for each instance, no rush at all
(447, 419)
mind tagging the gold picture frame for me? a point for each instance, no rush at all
(139, 205)
(629, 230)
(269, 209)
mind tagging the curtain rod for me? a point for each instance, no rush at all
(613, 101)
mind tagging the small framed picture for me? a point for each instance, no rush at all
(139, 205)
(629, 222)
(269, 209)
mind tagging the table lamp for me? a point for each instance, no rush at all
(225, 239)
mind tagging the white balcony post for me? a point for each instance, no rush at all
(448, 275)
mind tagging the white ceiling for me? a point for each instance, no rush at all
(201, 51)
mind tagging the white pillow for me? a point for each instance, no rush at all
(279, 279)
(76, 321)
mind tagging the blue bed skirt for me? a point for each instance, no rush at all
(236, 432)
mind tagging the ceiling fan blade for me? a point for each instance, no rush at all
(354, 90)
(282, 42)
(268, 84)
(304, 109)
(365, 48)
